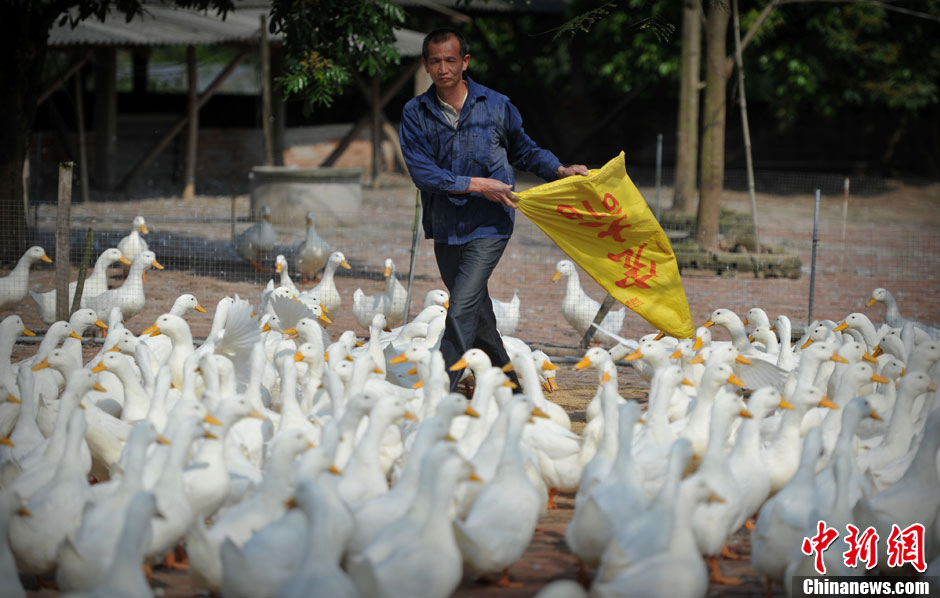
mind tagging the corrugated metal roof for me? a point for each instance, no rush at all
(170, 26)
(162, 26)
(478, 6)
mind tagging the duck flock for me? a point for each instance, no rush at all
(279, 460)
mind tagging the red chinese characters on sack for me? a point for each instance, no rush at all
(632, 265)
(611, 222)
(864, 547)
(819, 543)
(907, 546)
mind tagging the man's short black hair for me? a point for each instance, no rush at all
(440, 35)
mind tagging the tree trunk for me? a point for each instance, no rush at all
(687, 135)
(22, 51)
(717, 71)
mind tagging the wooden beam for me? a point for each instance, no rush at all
(387, 96)
(176, 128)
(392, 134)
(192, 114)
(62, 78)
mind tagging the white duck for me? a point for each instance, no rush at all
(170, 491)
(365, 307)
(507, 314)
(208, 484)
(395, 296)
(893, 317)
(57, 507)
(257, 241)
(363, 475)
(312, 252)
(125, 576)
(10, 506)
(95, 284)
(241, 521)
(132, 245)
(611, 500)
(10, 330)
(373, 515)
(396, 563)
(913, 499)
(501, 522)
(579, 309)
(15, 285)
(318, 574)
(281, 267)
(647, 531)
(325, 290)
(85, 557)
(130, 295)
(712, 522)
(747, 460)
(437, 297)
(782, 520)
(897, 439)
(262, 565)
(675, 570)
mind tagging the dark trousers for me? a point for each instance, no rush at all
(465, 270)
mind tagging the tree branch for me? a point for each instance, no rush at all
(756, 25)
(884, 5)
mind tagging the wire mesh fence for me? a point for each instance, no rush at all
(885, 236)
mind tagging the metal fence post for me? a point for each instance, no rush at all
(659, 171)
(812, 275)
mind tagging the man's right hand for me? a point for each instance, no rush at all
(493, 190)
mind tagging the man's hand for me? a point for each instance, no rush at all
(493, 190)
(566, 171)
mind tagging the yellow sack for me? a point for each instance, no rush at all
(603, 223)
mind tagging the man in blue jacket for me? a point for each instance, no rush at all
(461, 141)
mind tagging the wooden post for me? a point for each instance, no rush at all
(105, 116)
(376, 129)
(62, 240)
(266, 112)
(192, 110)
(80, 125)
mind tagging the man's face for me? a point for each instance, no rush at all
(444, 63)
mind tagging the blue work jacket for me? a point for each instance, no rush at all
(487, 142)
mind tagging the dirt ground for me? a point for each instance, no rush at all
(217, 272)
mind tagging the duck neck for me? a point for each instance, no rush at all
(717, 435)
(438, 517)
(901, 424)
(613, 435)
(923, 467)
(125, 576)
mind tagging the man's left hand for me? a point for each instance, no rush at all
(566, 171)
